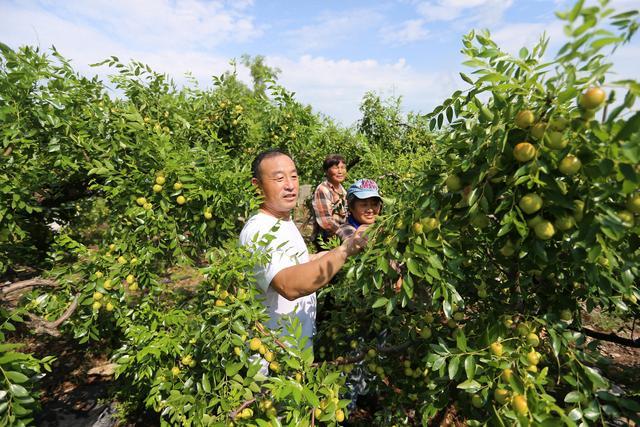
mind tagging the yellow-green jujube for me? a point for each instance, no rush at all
(570, 165)
(578, 210)
(501, 395)
(592, 98)
(538, 130)
(530, 203)
(633, 203)
(496, 349)
(564, 223)
(544, 230)
(453, 183)
(520, 405)
(556, 140)
(524, 119)
(627, 218)
(524, 151)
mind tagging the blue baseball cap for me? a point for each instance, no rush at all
(363, 189)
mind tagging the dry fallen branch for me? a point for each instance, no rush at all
(38, 324)
(41, 326)
(31, 283)
(612, 338)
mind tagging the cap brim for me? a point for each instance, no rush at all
(366, 195)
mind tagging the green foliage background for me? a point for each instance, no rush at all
(416, 316)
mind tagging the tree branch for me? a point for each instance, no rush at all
(246, 403)
(42, 326)
(612, 338)
(263, 331)
(31, 283)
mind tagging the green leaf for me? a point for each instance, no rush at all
(438, 363)
(595, 377)
(523, 53)
(573, 397)
(573, 14)
(414, 267)
(605, 41)
(310, 397)
(232, 368)
(575, 414)
(470, 366)
(206, 385)
(466, 78)
(331, 378)
(16, 377)
(461, 340)
(380, 302)
(630, 127)
(470, 385)
(18, 391)
(453, 367)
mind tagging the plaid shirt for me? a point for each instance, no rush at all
(329, 207)
(345, 231)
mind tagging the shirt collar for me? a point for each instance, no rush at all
(353, 221)
(340, 188)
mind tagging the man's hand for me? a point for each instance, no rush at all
(354, 244)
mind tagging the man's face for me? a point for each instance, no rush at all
(278, 180)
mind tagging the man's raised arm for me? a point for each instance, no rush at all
(304, 279)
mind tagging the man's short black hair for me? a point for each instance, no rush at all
(332, 160)
(267, 154)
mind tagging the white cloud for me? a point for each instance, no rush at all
(409, 31)
(482, 12)
(512, 37)
(625, 61)
(331, 29)
(84, 33)
(336, 87)
(152, 24)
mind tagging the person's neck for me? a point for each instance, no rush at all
(335, 184)
(284, 216)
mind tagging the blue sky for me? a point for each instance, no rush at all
(330, 52)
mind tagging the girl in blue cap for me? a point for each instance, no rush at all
(364, 204)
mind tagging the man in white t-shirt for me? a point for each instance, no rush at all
(290, 276)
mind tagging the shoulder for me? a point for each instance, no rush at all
(322, 188)
(258, 225)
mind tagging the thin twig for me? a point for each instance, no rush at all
(264, 331)
(246, 403)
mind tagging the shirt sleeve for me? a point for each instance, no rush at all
(276, 256)
(323, 209)
(345, 231)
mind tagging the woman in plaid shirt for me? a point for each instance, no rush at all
(330, 198)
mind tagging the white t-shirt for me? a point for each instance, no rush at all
(286, 249)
